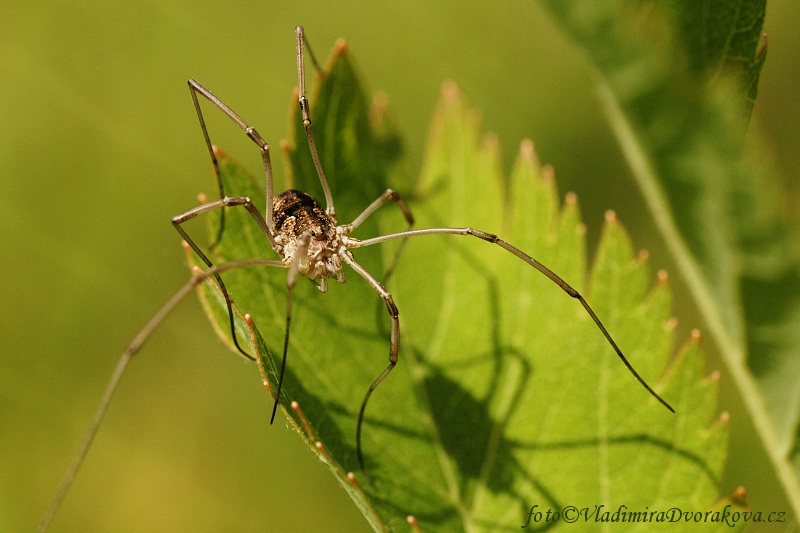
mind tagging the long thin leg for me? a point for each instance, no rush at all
(195, 88)
(228, 201)
(387, 195)
(312, 146)
(394, 347)
(555, 278)
(122, 364)
(395, 197)
(291, 279)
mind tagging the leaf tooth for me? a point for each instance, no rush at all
(548, 174)
(722, 422)
(412, 522)
(490, 142)
(527, 151)
(450, 92)
(737, 498)
(303, 420)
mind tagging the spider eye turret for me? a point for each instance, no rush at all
(318, 233)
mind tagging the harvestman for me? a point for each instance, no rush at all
(309, 242)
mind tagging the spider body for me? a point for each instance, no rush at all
(297, 214)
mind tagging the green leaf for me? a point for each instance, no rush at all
(506, 396)
(720, 37)
(675, 80)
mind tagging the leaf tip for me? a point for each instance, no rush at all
(412, 522)
(303, 420)
(722, 421)
(695, 336)
(380, 100)
(340, 47)
(643, 256)
(571, 199)
(672, 323)
(527, 150)
(740, 495)
(218, 152)
(491, 142)
(379, 110)
(737, 497)
(450, 91)
(323, 453)
(762, 51)
(611, 217)
(549, 175)
(662, 276)
(715, 376)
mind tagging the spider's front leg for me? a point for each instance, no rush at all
(228, 201)
(195, 88)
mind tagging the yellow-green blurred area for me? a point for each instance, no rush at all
(100, 146)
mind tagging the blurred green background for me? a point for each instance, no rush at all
(100, 147)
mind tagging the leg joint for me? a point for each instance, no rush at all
(230, 201)
(490, 237)
(256, 137)
(394, 312)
